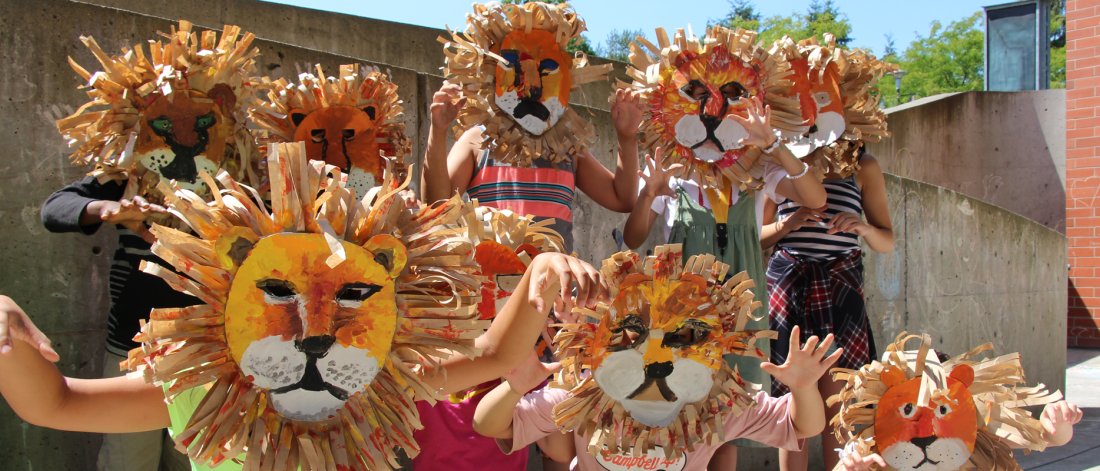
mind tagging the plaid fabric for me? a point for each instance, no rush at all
(821, 297)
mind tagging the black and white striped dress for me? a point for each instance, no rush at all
(813, 240)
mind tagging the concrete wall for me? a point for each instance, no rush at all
(965, 294)
(1008, 149)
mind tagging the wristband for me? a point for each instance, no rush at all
(774, 145)
(805, 170)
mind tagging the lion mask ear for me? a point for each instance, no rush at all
(963, 374)
(223, 95)
(388, 252)
(233, 247)
(892, 376)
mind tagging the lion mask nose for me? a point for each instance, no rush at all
(316, 346)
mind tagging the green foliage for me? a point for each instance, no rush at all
(617, 44)
(948, 59)
(1058, 44)
(820, 18)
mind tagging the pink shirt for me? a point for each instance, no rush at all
(448, 440)
(768, 422)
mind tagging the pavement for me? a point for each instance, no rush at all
(1083, 389)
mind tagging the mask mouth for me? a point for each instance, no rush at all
(708, 137)
(662, 389)
(531, 107)
(827, 128)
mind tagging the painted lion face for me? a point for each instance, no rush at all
(310, 333)
(353, 121)
(345, 137)
(503, 267)
(939, 436)
(918, 413)
(186, 133)
(698, 99)
(532, 86)
(652, 363)
(822, 106)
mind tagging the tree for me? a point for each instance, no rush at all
(617, 44)
(1058, 44)
(948, 59)
(820, 18)
(580, 43)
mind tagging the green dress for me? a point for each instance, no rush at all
(180, 411)
(695, 228)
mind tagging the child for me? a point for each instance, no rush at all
(40, 395)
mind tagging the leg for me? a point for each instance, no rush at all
(128, 451)
(725, 458)
(829, 443)
(794, 460)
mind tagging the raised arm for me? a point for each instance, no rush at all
(655, 180)
(804, 366)
(443, 173)
(40, 395)
(510, 338)
(617, 191)
(801, 186)
(493, 417)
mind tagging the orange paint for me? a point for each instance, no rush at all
(892, 426)
(532, 52)
(343, 136)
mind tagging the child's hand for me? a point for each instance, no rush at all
(854, 462)
(530, 374)
(15, 325)
(758, 123)
(851, 223)
(656, 182)
(626, 112)
(803, 217)
(131, 214)
(445, 105)
(805, 364)
(560, 272)
(1058, 419)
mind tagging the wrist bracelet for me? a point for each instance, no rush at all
(774, 145)
(805, 170)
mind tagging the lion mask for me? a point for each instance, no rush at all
(918, 413)
(318, 317)
(651, 367)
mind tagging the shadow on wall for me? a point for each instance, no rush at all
(1083, 330)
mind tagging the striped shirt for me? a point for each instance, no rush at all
(542, 191)
(812, 240)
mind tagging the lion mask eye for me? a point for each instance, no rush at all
(352, 295)
(161, 125)
(907, 410)
(630, 333)
(734, 91)
(942, 410)
(691, 332)
(317, 135)
(694, 90)
(205, 121)
(277, 291)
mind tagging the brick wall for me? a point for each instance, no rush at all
(1083, 170)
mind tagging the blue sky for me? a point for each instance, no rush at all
(870, 19)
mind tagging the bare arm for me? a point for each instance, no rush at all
(775, 230)
(878, 230)
(656, 184)
(445, 173)
(512, 334)
(804, 366)
(40, 395)
(493, 417)
(805, 190)
(559, 446)
(617, 191)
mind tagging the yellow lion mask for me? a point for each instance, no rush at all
(318, 320)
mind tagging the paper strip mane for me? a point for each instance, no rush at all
(360, 110)
(504, 245)
(999, 392)
(722, 55)
(418, 267)
(114, 131)
(472, 59)
(857, 74)
(687, 296)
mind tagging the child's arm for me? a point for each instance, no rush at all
(805, 190)
(877, 231)
(550, 277)
(444, 173)
(804, 366)
(656, 184)
(82, 206)
(774, 230)
(617, 191)
(855, 462)
(40, 395)
(1058, 419)
(493, 416)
